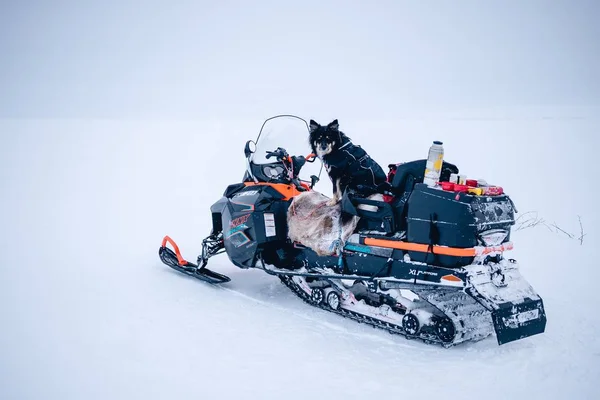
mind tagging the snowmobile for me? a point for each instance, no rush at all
(423, 261)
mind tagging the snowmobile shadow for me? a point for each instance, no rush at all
(269, 292)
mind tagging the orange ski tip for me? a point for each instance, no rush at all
(165, 240)
(311, 156)
(180, 259)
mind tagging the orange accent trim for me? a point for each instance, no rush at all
(288, 191)
(180, 259)
(451, 278)
(310, 156)
(443, 250)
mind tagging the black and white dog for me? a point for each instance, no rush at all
(348, 165)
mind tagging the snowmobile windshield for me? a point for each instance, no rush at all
(290, 133)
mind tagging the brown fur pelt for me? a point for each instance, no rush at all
(317, 225)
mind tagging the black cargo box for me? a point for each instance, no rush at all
(454, 219)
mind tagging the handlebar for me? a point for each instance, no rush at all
(281, 154)
(294, 163)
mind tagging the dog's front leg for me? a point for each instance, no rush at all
(336, 194)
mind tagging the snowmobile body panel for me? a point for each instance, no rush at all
(252, 219)
(372, 262)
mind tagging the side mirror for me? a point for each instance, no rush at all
(249, 148)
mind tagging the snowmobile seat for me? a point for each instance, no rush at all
(375, 215)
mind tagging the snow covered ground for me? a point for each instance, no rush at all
(88, 310)
(122, 121)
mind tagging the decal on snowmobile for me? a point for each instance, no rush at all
(451, 278)
(428, 264)
(418, 272)
(235, 229)
(238, 238)
(270, 229)
(239, 220)
(245, 193)
(250, 207)
(358, 248)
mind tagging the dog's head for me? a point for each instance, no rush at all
(325, 139)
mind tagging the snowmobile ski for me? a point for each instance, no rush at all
(174, 260)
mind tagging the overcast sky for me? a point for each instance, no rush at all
(196, 59)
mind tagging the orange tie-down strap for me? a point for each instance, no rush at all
(442, 250)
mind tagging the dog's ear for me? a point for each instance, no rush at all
(334, 125)
(313, 126)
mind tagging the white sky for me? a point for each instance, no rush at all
(197, 59)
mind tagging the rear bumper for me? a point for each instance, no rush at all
(517, 321)
(517, 310)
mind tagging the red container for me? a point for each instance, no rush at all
(493, 191)
(449, 186)
(461, 188)
(472, 182)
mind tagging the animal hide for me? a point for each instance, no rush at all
(314, 224)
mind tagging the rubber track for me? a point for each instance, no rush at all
(361, 318)
(472, 321)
